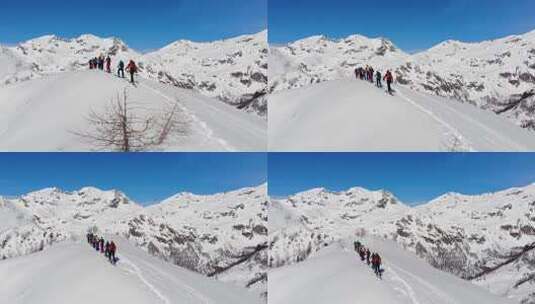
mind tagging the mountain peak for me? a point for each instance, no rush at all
(46, 191)
(89, 37)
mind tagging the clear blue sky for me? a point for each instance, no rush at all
(411, 24)
(143, 24)
(413, 177)
(144, 177)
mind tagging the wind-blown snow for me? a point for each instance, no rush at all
(353, 115)
(44, 114)
(72, 272)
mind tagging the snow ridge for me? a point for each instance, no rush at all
(487, 239)
(496, 75)
(232, 70)
(202, 233)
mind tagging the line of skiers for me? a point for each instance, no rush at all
(370, 258)
(367, 73)
(99, 244)
(100, 63)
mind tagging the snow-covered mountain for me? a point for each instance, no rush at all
(348, 115)
(498, 75)
(336, 275)
(222, 235)
(71, 272)
(45, 114)
(488, 239)
(232, 70)
(318, 58)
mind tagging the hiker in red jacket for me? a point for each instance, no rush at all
(113, 249)
(376, 264)
(389, 79)
(131, 68)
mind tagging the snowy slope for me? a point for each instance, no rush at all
(497, 75)
(318, 58)
(222, 235)
(232, 70)
(336, 275)
(14, 69)
(43, 114)
(353, 115)
(488, 239)
(52, 54)
(72, 272)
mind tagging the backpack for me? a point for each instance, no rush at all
(132, 67)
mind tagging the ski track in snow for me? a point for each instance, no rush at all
(137, 271)
(204, 126)
(453, 131)
(423, 282)
(478, 124)
(409, 291)
(193, 293)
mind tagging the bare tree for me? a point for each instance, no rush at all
(126, 127)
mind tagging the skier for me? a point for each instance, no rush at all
(95, 242)
(357, 245)
(113, 249)
(108, 64)
(370, 77)
(101, 245)
(368, 256)
(377, 265)
(389, 79)
(107, 250)
(120, 69)
(378, 79)
(362, 253)
(132, 69)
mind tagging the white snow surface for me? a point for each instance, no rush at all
(231, 70)
(490, 74)
(73, 272)
(45, 113)
(336, 275)
(223, 235)
(488, 239)
(354, 115)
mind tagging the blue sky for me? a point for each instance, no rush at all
(411, 24)
(412, 177)
(143, 24)
(144, 177)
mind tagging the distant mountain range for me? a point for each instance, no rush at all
(222, 235)
(488, 239)
(232, 70)
(497, 75)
